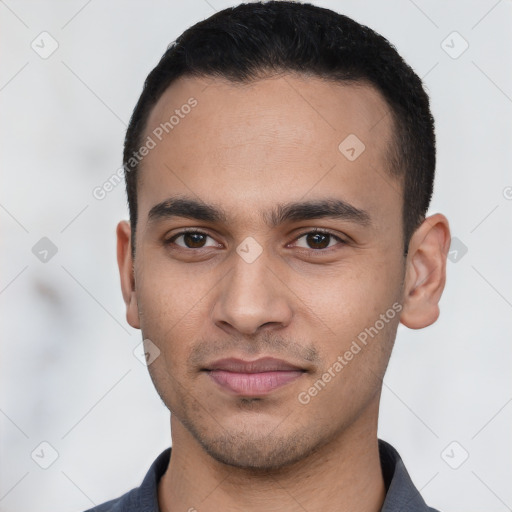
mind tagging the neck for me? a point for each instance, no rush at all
(341, 476)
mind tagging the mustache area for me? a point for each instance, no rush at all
(264, 345)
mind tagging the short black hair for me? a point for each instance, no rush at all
(256, 40)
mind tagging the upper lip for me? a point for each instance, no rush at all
(264, 364)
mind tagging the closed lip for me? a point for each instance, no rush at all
(261, 365)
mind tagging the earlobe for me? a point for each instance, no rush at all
(425, 272)
(126, 273)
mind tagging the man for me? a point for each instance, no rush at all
(279, 166)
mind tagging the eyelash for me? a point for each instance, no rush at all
(171, 240)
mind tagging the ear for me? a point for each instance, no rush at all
(425, 272)
(125, 263)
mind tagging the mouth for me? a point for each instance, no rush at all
(252, 378)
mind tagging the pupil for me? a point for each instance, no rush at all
(318, 240)
(194, 240)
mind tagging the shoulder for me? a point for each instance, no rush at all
(401, 493)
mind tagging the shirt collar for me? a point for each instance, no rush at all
(401, 494)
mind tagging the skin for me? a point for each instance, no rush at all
(246, 149)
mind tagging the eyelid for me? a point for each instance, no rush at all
(342, 241)
(171, 239)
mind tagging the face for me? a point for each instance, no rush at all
(275, 318)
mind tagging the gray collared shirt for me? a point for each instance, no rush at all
(401, 494)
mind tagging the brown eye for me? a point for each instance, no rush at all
(191, 240)
(194, 240)
(318, 240)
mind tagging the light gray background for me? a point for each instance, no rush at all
(69, 374)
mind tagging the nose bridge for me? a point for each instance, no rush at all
(250, 278)
(251, 294)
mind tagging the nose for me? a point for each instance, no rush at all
(252, 296)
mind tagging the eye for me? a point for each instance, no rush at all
(191, 240)
(318, 240)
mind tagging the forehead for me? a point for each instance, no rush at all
(309, 106)
(270, 140)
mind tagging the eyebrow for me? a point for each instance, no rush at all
(282, 213)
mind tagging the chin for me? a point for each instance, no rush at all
(256, 450)
(260, 455)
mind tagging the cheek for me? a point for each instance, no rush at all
(171, 320)
(352, 294)
(171, 313)
(355, 360)
(356, 314)
(170, 296)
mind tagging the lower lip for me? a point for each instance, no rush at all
(253, 384)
